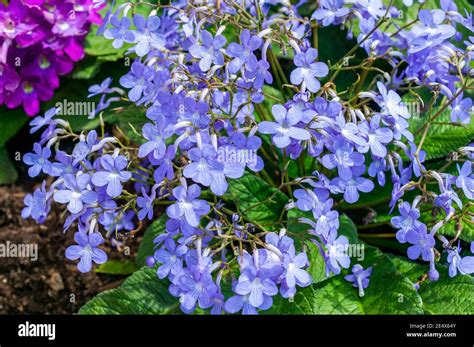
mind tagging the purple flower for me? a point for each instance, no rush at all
(102, 88)
(359, 278)
(354, 184)
(209, 51)
(343, 157)
(294, 274)
(408, 220)
(87, 250)
(156, 136)
(336, 256)
(77, 192)
(38, 122)
(138, 80)
(461, 110)
(147, 36)
(391, 102)
(377, 137)
(465, 180)
(187, 205)
(243, 53)
(197, 287)
(260, 74)
(465, 265)
(145, 203)
(118, 31)
(39, 160)
(113, 174)
(422, 242)
(308, 70)
(170, 257)
(256, 285)
(330, 12)
(37, 206)
(284, 129)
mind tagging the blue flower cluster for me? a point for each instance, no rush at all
(204, 97)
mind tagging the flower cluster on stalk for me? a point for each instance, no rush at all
(203, 94)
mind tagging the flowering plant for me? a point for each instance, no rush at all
(40, 40)
(266, 167)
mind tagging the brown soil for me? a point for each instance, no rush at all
(51, 284)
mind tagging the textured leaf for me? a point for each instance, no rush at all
(445, 296)
(141, 293)
(388, 293)
(147, 247)
(258, 201)
(117, 267)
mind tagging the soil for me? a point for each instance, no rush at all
(51, 284)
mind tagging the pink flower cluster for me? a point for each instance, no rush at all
(40, 40)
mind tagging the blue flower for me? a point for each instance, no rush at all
(138, 80)
(294, 274)
(343, 157)
(243, 53)
(407, 221)
(465, 180)
(77, 192)
(170, 256)
(465, 265)
(308, 70)
(422, 243)
(39, 160)
(145, 203)
(209, 51)
(187, 205)
(330, 12)
(87, 250)
(113, 174)
(156, 135)
(284, 129)
(354, 184)
(38, 122)
(147, 36)
(102, 88)
(377, 137)
(336, 256)
(118, 31)
(260, 74)
(359, 278)
(461, 110)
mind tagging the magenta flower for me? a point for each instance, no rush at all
(48, 40)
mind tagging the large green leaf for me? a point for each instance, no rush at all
(147, 247)
(141, 293)
(445, 296)
(442, 137)
(389, 292)
(11, 121)
(258, 201)
(117, 267)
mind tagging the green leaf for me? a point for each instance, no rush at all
(258, 201)
(11, 121)
(117, 267)
(141, 293)
(147, 247)
(442, 138)
(317, 264)
(8, 172)
(445, 296)
(389, 292)
(87, 68)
